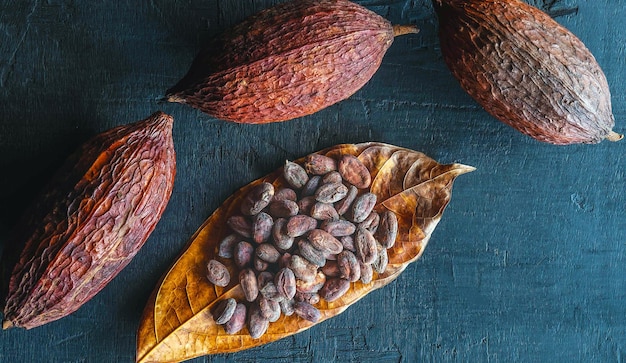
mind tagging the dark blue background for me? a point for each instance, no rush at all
(527, 264)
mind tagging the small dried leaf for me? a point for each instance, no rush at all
(177, 323)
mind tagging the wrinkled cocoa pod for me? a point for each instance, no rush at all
(288, 61)
(526, 70)
(91, 220)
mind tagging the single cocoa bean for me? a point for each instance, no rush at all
(343, 206)
(285, 194)
(307, 311)
(259, 265)
(295, 175)
(224, 311)
(324, 242)
(331, 192)
(308, 297)
(270, 291)
(267, 253)
(311, 286)
(318, 164)
(263, 278)
(241, 225)
(257, 324)
(371, 222)
(323, 211)
(217, 273)
(362, 207)
(348, 243)
(249, 284)
(303, 269)
(242, 255)
(311, 186)
(354, 171)
(227, 246)
(305, 204)
(365, 244)
(287, 307)
(310, 253)
(270, 309)
(285, 281)
(332, 177)
(338, 228)
(367, 273)
(380, 265)
(279, 235)
(348, 264)
(284, 208)
(257, 199)
(299, 225)
(262, 227)
(334, 288)
(237, 321)
(331, 269)
(387, 229)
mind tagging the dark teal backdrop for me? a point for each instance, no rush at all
(527, 264)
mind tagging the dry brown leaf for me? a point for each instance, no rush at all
(177, 323)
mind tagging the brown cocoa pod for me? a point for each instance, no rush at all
(526, 70)
(354, 171)
(217, 273)
(257, 199)
(288, 61)
(90, 220)
(237, 321)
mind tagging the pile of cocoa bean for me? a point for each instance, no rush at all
(300, 243)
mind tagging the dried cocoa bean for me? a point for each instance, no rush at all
(224, 311)
(262, 227)
(263, 278)
(348, 243)
(334, 288)
(387, 229)
(323, 211)
(285, 194)
(249, 284)
(242, 255)
(331, 269)
(305, 204)
(380, 265)
(310, 253)
(257, 324)
(303, 269)
(257, 199)
(371, 222)
(270, 291)
(284, 208)
(270, 309)
(227, 246)
(279, 235)
(267, 253)
(237, 321)
(348, 264)
(259, 264)
(367, 273)
(217, 273)
(318, 164)
(354, 171)
(332, 177)
(331, 192)
(556, 93)
(338, 228)
(308, 297)
(311, 286)
(343, 206)
(295, 175)
(241, 225)
(287, 307)
(267, 69)
(299, 225)
(307, 311)
(362, 207)
(365, 244)
(311, 186)
(324, 242)
(285, 281)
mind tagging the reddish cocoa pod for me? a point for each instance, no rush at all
(90, 221)
(288, 61)
(526, 70)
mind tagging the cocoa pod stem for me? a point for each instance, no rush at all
(405, 29)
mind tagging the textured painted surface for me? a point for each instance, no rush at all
(528, 263)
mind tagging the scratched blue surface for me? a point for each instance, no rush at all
(527, 264)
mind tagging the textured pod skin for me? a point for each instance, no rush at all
(287, 61)
(91, 220)
(526, 70)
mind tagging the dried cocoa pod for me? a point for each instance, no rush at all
(91, 220)
(288, 61)
(526, 70)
